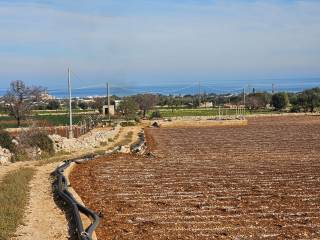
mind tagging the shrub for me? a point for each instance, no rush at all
(295, 108)
(20, 155)
(127, 124)
(6, 141)
(137, 119)
(53, 105)
(42, 141)
(280, 100)
(155, 114)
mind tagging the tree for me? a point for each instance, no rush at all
(53, 105)
(146, 102)
(74, 104)
(20, 98)
(258, 100)
(280, 101)
(308, 100)
(128, 108)
(83, 105)
(98, 104)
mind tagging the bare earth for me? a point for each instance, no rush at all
(260, 181)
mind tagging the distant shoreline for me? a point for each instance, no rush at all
(181, 89)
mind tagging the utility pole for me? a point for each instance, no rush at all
(108, 97)
(70, 105)
(244, 99)
(199, 94)
(273, 88)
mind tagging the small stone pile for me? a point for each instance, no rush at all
(5, 156)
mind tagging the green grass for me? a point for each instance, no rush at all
(4, 122)
(203, 112)
(62, 111)
(193, 112)
(55, 120)
(14, 190)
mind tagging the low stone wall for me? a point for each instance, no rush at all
(281, 114)
(92, 139)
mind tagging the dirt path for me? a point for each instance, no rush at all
(44, 220)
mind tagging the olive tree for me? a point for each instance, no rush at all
(146, 102)
(20, 98)
(128, 108)
(280, 100)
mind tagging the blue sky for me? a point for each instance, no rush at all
(145, 42)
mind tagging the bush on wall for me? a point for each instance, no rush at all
(6, 141)
(42, 141)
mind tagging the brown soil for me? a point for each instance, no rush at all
(259, 181)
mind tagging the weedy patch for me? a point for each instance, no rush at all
(14, 190)
(127, 139)
(103, 144)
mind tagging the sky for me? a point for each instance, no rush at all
(158, 42)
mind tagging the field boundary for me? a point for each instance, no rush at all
(202, 123)
(62, 186)
(86, 220)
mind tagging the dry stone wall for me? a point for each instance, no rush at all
(92, 139)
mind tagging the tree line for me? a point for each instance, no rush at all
(20, 99)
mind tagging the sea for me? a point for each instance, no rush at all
(204, 87)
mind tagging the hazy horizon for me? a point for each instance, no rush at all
(232, 86)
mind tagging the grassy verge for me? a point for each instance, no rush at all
(14, 189)
(127, 139)
(66, 111)
(55, 120)
(209, 112)
(57, 157)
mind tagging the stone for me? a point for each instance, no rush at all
(92, 139)
(5, 156)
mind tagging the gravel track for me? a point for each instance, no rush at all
(260, 181)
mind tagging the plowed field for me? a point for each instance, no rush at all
(260, 181)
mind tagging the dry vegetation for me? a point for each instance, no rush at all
(259, 181)
(127, 139)
(14, 189)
